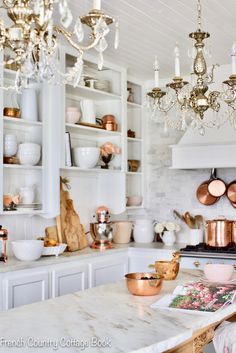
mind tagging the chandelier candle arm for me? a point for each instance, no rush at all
(156, 72)
(177, 61)
(233, 58)
(97, 4)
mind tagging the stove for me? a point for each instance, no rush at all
(204, 250)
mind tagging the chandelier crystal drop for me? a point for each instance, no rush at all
(193, 104)
(30, 43)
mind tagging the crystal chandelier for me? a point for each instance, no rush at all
(184, 104)
(30, 43)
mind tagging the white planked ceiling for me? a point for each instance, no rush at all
(151, 27)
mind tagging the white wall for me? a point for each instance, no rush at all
(175, 189)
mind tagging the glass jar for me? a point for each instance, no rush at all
(3, 244)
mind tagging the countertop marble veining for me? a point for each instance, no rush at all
(106, 315)
(14, 265)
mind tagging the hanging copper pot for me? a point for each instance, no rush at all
(203, 194)
(231, 192)
(216, 186)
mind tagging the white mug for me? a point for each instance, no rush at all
(88, 111)
(28, 104)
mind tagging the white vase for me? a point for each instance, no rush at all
(29, 105)
(168, 237)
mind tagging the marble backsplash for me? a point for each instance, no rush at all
(169, 189)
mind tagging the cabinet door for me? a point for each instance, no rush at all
(24, 289)
(69, 279)
(107, 269)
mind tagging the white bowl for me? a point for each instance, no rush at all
(134, 200)
(72, 116)
(29, 153)
(27, 250)
(86, 157)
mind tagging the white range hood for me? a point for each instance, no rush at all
(216, 149)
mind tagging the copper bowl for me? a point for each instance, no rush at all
(138, 286)
(167, 269)
(11, 112)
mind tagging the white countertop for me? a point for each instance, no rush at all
(126, 323)
(14, 265)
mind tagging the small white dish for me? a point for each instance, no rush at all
(54, 250)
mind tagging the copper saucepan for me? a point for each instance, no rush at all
(216, 186)
(203, 194)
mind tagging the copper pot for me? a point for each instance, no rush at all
(231, 192)
(109, 122)
(220, 232)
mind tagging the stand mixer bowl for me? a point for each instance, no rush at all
(101, 231)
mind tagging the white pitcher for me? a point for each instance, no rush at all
(27, 194)
(168, 237)
(88, 111)
(28, 104)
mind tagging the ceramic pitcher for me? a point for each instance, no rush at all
(88, 111)
(168, 237)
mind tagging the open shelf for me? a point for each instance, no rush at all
(85, 92)
(131, 105)
(20, 166)
(134, 139)
(134, 173)
(91, 170)
(87, 130)
(134, 207)
(20, 122)
(17, 213)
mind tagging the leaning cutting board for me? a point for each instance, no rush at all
(72, 231)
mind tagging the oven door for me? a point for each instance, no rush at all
(199, 262)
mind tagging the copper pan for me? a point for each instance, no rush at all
(216, 186)
(231, 192)
(203, 194)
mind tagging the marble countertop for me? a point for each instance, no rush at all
(14, 265)
(105, 319)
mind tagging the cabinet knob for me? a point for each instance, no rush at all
(235, 266)
(196, 263)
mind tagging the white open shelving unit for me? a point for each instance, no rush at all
(90, 187)
(135, 181)
(44, 175)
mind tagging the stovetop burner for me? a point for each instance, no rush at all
(203, 247)
(204, 250)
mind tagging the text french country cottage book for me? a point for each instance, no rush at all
(199, 297)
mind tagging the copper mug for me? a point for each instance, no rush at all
(220, 232)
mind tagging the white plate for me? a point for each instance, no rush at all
(54, 250)
(204, 279)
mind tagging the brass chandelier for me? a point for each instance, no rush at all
(30, 43)
(184, 104)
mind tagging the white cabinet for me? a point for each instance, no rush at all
(69, 279)
(25, 288)
(107, 270)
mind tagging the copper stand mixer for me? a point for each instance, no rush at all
(102, 230)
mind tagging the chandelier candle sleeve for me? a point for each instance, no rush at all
(97, 4)
(233, 56)
(156, 72)
(177, 62)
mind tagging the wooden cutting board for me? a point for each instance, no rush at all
(71, 230)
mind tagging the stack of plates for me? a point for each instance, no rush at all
(103, 85)
(29, 207)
